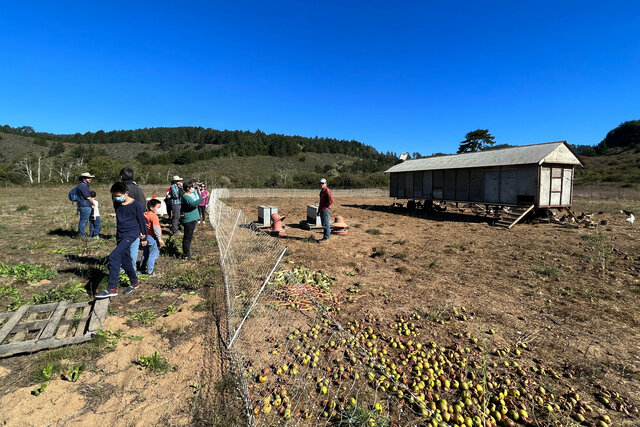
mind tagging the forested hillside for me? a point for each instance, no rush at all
(250, 159)
(230, 158)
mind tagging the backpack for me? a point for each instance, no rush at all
(73, 194)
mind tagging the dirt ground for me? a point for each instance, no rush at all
(114, 390)
(571, 293)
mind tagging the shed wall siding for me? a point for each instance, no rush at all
(417, 184)
(462, 184)
(475, 185)
(545, 185)
(427, 183)
(492, 185)
(567, 186)
(409, 184)
(393, 185)
(402, 181)
(508, 186)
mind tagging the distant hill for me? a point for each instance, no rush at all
(251, 159)
(230, 158)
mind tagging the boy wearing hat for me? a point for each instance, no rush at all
(324, 208)
(175, 194)
(85, 202)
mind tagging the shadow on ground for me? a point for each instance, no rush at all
(445, 216)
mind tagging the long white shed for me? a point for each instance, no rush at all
(540, 174)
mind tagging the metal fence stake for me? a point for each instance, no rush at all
(255, 300)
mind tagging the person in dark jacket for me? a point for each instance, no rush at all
(85, 202)
(130, 225)
(175, 194)
(190, 215)
(135, 192)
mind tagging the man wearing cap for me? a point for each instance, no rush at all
(175, 194)
(85, 202)
(324, 208)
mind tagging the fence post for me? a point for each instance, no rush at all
(255, 300)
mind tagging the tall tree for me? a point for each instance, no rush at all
(476, 140)
(626, 134)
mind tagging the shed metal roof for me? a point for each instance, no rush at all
(549, 152)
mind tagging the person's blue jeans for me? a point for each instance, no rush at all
(94, 227)
(325, 218)
(85, 213)
(133, 253)
(135, 246)
(121, 257)
(149, 255)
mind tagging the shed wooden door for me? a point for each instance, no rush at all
(475, 185)
(508, 186)
(492, 185)
(393, 185)
(417, 185)
(408, 187)
(437, 185)
(556, 183)
(462, 185)
(402, 181)
(427, 185)
(567, 186)
(556, 187)
(449, 184)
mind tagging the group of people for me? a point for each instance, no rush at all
(135, 227)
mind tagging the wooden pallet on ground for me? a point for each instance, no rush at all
(37, 327)
(514, 216)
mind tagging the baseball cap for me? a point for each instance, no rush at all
(323, 181)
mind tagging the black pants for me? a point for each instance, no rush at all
(188, 237)
(201, 209)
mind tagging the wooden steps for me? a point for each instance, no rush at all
(515, 215)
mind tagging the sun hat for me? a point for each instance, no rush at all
(86, 175)
(275, 218)
(323, 181)
(176, 178)
(339, 222)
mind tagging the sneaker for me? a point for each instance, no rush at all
(130, 289)
(107, 293)
(186, 257)
(322, 240)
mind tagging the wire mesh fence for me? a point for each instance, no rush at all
(295, 362)
(299, 360)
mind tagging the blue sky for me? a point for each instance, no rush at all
(401, 76)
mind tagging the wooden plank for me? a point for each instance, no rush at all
(8, 326)
(34, 325)
(63, 327)
(44, 307)
(20, 332)
(524, 212)
(98, 315)
(84, 321)
(49, 330)
(36, 345)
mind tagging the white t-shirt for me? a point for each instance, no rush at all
(96, 211)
